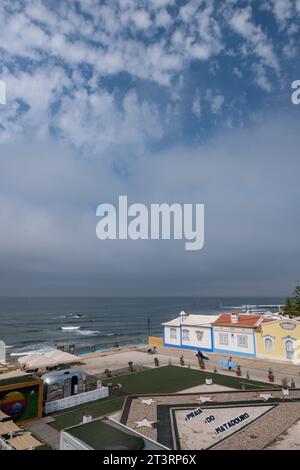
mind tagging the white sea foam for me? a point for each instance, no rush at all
(71, 315)
(32, 351)
(88, 332)
(70, 328)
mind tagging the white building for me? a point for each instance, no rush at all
(106, 434)
(190, 332)
(235, 333)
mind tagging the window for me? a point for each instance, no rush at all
(268, 344)
(289, 349)
(186, 335)
(223, 338)
(173, 333)
(199, 335)
(242, 341)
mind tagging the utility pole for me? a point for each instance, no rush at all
(148, 326)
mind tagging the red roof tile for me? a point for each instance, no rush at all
(244, 320)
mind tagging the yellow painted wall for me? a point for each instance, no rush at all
(155, 341)
(279, 331)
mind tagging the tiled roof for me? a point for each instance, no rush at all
(244, 320)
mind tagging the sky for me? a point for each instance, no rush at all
(162, 101)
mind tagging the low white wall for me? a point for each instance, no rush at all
(68, 442)
(75, 400)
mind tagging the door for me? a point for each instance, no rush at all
(289, 350)
(68, 387)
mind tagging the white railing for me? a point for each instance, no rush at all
(75, 400)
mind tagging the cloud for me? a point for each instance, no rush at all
(196, 105)
(241, 22)
(48, 220)
(146, 99)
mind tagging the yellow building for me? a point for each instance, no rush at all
(279, 340)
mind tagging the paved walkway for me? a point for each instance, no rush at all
(45, 432)
(257, 368)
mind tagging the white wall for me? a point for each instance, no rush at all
(193, 340)
(233, 334)
(74, 400)
(68, 442)
(167, 337)
(2, 352)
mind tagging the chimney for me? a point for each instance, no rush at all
(234, 317)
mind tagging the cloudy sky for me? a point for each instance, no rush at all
(164, 101)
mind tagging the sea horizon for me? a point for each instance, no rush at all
(40, 322)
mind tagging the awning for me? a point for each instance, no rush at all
(3, 416)
(49, 359)
(7, 427)
(24, 442)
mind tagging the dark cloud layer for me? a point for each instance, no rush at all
(247, 179)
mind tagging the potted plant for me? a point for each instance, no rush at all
(270, 375)
(238, 371)
(293, 385)
(130, 366)
(181, 360)
(201, 363)
(156, 361)
(285, 383)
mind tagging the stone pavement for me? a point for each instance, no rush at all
(45, 432)
(258, 434)
(257, 368)
(263, 429)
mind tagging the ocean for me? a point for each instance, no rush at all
(36, 324)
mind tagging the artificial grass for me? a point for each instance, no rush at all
(101, 436)
(72, 417)
(172, 379)
(167, 379)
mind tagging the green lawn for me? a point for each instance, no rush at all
(101, 436)
(171, 379)
(167, 379)
(72, 417)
